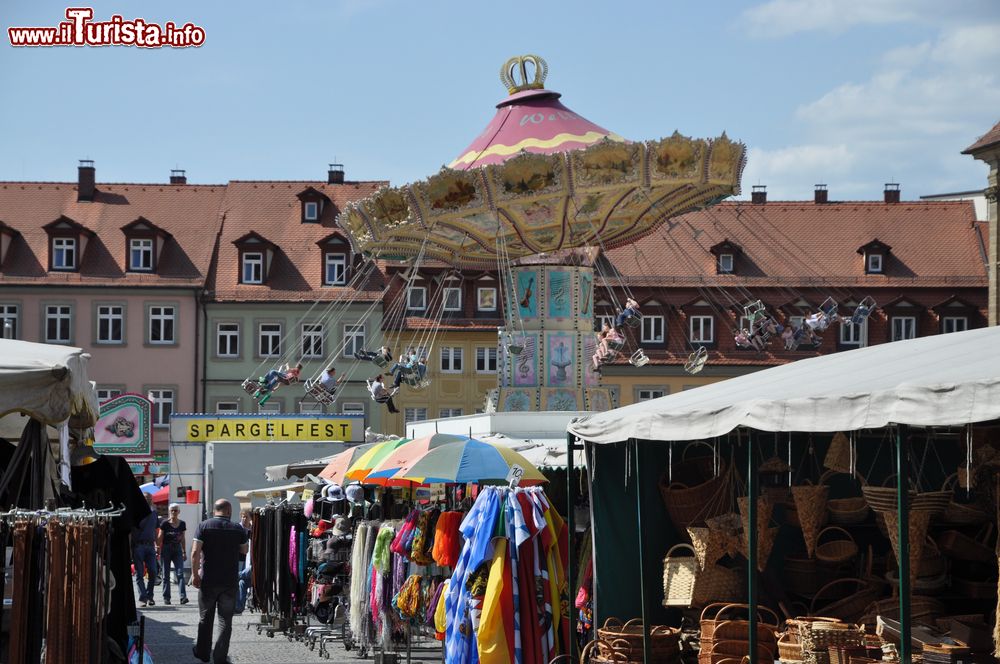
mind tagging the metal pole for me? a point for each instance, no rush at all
(571, 539)
(647, 655)
(752, 548)
(903, 508)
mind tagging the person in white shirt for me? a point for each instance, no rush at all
(380, 394)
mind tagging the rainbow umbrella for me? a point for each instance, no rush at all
(358, 471)
(470, 460)
(336, 470)
(404, 455)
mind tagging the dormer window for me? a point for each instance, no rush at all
(416, 298)
(452, 298)
(874, 264)
(313, 202)
(334, 269)
(64, 253)
(311, 211)
(725, 263)
(140, 255)
(725, 254)
(253, 268)
(875, 254)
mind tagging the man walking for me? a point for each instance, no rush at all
(144, 554)
(215, 558)
(173, 552)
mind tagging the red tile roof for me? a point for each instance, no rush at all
(274, 211)
(803, 244)
(990, 138)
(190, 213)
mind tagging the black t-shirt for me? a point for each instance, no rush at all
(172, 535)
(221, 540)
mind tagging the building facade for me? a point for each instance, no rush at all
(987, 150)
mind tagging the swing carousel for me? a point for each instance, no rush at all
(534, 196)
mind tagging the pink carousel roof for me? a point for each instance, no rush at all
(531, 119)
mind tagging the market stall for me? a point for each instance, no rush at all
(903, 393)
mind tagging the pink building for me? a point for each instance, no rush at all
(116, 269)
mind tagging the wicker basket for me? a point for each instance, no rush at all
(601, 652)
(719, 622)
(695, 494)
(922, 609)
(722, 650)
(801, 575)
(820, 636)
(789, 648)
(847, 511)
(799, 623)
(626, 639)
(850, 607)
(962, 514)
(837, 551)
(717, 583)
(810, 503)
(680, 574)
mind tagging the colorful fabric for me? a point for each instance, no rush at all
(447, 539)
(497, 620)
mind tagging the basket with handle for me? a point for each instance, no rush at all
(696, 494)
(820, 636)
(720, 651)
(727, 622)
(801, 575)
(626, 638)
(789, 647)
(680, 574)
(718, 583)
(846, 511)
(849, 607)
(601, 652)
(962, 514)
(835, 551)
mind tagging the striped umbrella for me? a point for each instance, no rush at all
(406, 454)
(469, 461)
(358, 471)
(336, 470)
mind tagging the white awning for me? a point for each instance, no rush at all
(46, 381)
(278, 490)
(286, 471)
(942, 380)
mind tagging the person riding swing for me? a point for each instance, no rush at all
(270, 381)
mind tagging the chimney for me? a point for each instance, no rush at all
(759, 194)
(891, 192)
(820, 195)
(86, 181)
(336, 174)
(178, 176)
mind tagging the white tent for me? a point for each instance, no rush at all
(942, 380)
(45, 381)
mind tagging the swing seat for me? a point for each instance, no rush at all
(863, 310)
(829, 307)
(384, 398)
(251, 386)
(635, 320)
(638, 359)
(754, 310)
(615, 344)
(696, 360)
(380, 361)
(316, 390)
(419, 385)
(609, 358)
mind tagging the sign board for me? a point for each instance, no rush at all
(125, 427)
(515, 475)
(158, 464)
(266, 427)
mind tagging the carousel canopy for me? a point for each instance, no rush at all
(542, 178)
(47, 382)
(942, 380)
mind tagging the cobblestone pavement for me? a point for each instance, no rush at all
(171, 632)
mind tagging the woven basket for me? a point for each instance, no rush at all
(962, 514)
(922, 609)
(695, 494)
(835, 551)
(918, 534)
(820, 636)
(838, 454)
(719, 622)
(797, 624)
(810, 503)
(850, 607)
(680, 574)
(626, 639)
(765, 535)
(601, 652)
(847, 511)
(959, 546)
(723, 650)
(801, 576)
(924, 585)
(706, 547)
(724, 533)
(789, 648)
(932, 562)
(717, 583)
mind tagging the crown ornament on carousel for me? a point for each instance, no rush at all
(518, 66)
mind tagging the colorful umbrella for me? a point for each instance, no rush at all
(407, 454)
(358, 471)
(161, 495)
(336, 470)
(469, 461)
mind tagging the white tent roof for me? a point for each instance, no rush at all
(46, 381)
(942, 380)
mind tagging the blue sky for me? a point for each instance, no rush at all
(852, 93)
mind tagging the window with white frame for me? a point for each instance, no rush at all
(140, 254)
(452, 298)
(414, 415)
(486, 299)
(8, 321)
(352, 408)
(227, 407)
(725, 263)
(253, 268)
(269, 340)
(486, 359)
(851, 335)
(450, 412)
(954, 324)
(64, 253)
(110, 324)
(334, 269)
(874, 263)
(227, 340)
(311, 211)
(451, 359)
(416, 298)
(161, 325)
(904, 327)
(702, 330)
(313, 407)
(599, 322)
(312, 340)
(107, 393)
(163, 407)
(647, 394)
(653, 329)
(58, 321)
(354, 339)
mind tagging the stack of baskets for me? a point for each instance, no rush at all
(685, 584)
(725, 633)
(622, 643)
(819, 637)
